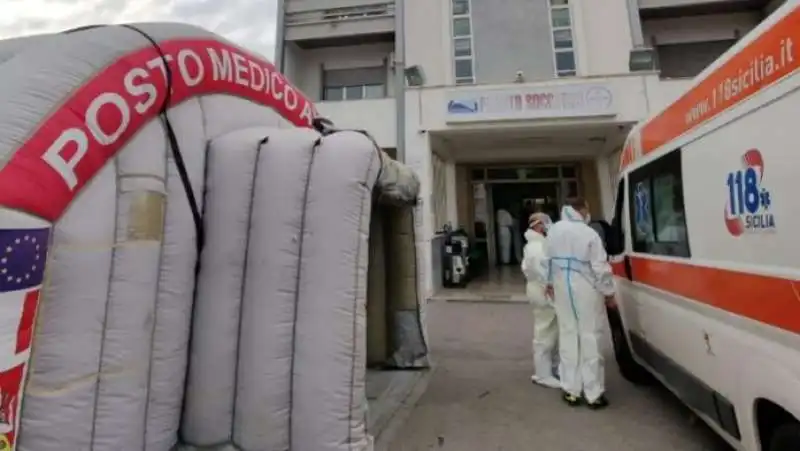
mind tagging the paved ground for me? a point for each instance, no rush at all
(480, 397)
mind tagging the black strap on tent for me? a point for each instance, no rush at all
(175, 148)
(173, 140)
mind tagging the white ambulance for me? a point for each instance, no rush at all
(706, 239)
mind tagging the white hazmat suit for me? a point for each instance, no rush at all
(545, 325)
(505, 235)
(579, 272)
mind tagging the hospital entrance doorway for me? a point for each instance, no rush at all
(513, 204)
(502, 200)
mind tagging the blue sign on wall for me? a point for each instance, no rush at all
(462, 106)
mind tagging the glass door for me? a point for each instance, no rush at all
(482, 227)
(491, 239)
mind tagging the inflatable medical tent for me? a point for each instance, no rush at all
(184, 251)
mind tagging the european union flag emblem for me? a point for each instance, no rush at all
(23, 253)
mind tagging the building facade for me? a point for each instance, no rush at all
(509, 103)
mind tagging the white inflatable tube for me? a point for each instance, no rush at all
(267, 355)
(208, 416)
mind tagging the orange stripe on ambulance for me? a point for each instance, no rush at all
(744, 71)
(748, 78)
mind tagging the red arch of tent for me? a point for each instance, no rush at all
(87, 129)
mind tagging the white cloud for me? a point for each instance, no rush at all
(250, 23)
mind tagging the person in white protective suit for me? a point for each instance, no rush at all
(545, 326)
(505, 235)
(579, 279)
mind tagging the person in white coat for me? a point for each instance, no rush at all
(545, 326)
(505, 236)
(579, 279)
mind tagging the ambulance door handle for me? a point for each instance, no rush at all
(628, 269)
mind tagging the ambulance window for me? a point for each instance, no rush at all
(670, 224)
(619, 203)
(615, 244)
(642, 212)
(657, 209)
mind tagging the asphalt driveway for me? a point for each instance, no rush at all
(480, 397)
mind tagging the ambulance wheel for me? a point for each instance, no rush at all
(786, 438)
(628, 367)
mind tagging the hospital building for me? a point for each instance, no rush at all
(502, 103)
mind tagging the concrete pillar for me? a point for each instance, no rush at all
(464, 201)
(591, 188)
(418, 157)
(452, 193)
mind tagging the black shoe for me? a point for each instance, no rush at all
(599, 403)
(571, 400)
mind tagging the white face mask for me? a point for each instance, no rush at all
(587, 218)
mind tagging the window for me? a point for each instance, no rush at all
(354, 92)
(572, 189)
(615, 242)
(462, 47)
(561, 16)
(350, 12)
(563, 43)
(333, 93)
(565, 63)
(463, 69)
(502, 174)
(562, 39)
(658, 218)
(642, 216)
(687, 60)
(461, 28)
(463, 55)
(541, 172)
(354, 84)
(460, 7)
(374, 91)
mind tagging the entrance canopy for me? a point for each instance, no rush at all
(483, 143)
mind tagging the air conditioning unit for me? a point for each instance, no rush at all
(643, 59)
(415, 76)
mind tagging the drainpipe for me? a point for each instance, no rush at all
(400, 78)
(280, 31)
(635, 24)
(641, 56)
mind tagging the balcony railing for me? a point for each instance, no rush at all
(333, 15)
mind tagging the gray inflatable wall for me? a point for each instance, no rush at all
(256, 343)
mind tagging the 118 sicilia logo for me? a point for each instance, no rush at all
(748, 207)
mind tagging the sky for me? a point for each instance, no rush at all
(249, 23)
